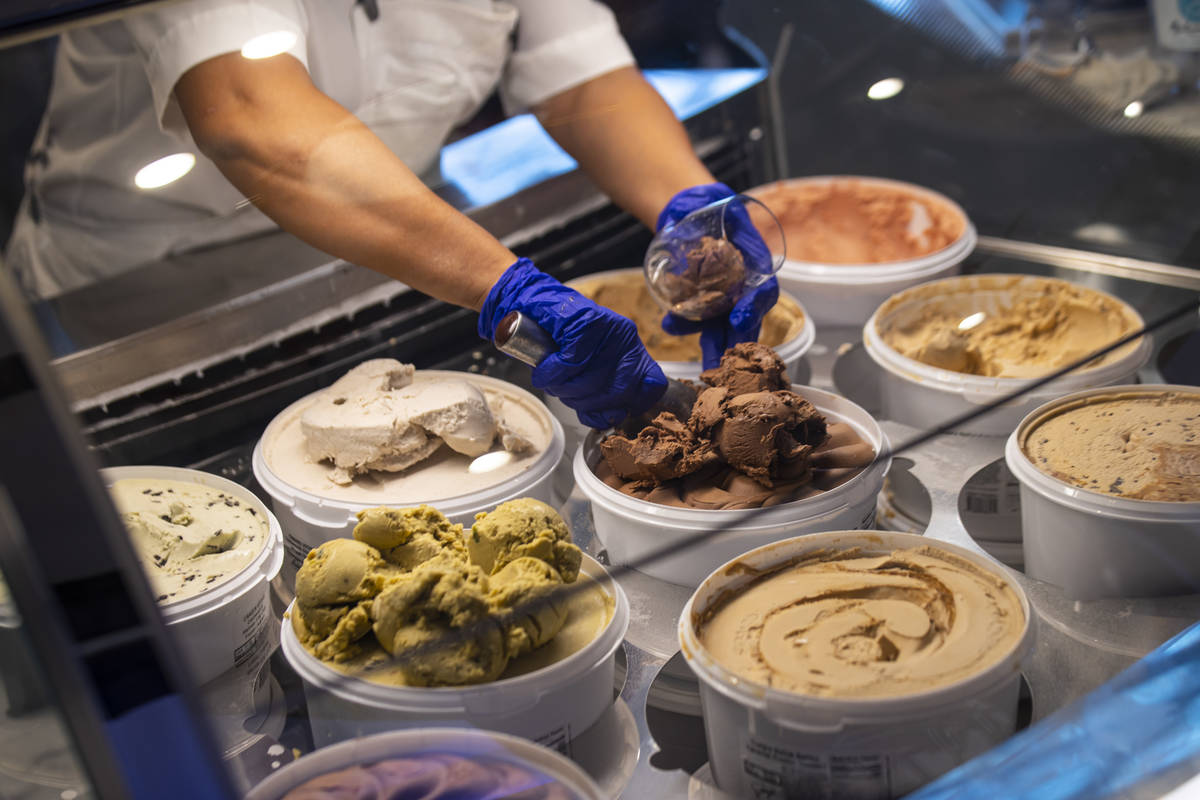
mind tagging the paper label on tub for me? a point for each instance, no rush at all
(775, 773)
(993, 490)
(558, 739)
(295, 550)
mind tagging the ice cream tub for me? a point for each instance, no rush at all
(854, 241)
(220, 630)
(549, 705)
(862, 729)
(631, 528)
(314, 510)
(546, 769)
(971, 340)
(1096, 519)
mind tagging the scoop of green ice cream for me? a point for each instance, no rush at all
(341, 571)
(330, 632)
(527, 597)
(435, 622)
(523, 528)
(409, 537)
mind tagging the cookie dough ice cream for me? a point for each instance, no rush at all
(1143, 445)
(851, 221)
(748, 442)
(627, 294)
(385, 432)
(190, 537)
(851, 624)
(1003, 326)
(413, 600)
(434, 776)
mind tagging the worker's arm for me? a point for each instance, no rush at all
(317, 171)
(627, 139)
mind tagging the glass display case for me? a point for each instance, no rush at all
(153, 334)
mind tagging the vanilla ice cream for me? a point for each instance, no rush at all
(386, 433)
(1142, 445)
(1004, 326)
(190, 537)
(850, 624)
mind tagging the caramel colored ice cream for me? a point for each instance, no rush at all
(385, 433)
(434, 776)
(628, 295)
(749, 441)
(1142, 445)
(849, 624)
(190, 537)
(412, 600)
(1004, 326)
(850, 221)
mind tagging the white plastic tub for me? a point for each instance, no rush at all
(844, 747)
(310, 520)
(846, 294)
(550, 705)
(401, 744)
(631, 528)
(1096, 545)
(924, 396)
(220, 629)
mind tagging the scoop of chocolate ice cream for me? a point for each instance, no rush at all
(664, 449)
(748, 367)
(711, 281)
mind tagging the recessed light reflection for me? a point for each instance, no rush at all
(972, 321)
(163, 171)
(885, 89)
(490, 461)
(269, 44)
(1135, 109)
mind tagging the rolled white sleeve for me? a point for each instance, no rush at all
(174, 40)
(560, 44)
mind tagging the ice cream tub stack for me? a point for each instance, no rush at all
(757, 460)
(415, 621)
(1110, 491)
(210, 548)
(385, 433)
(854, 663)
(460, 762)
(853, 241)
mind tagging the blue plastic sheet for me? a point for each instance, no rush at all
(1136, 736)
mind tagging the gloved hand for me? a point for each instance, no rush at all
(601, 369)
(744, 320)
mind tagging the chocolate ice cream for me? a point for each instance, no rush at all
(749, 442)
(710, 283)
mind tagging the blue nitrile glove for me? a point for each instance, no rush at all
(601, 369)
(745, 318)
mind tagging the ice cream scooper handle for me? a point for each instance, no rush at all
(523, 339)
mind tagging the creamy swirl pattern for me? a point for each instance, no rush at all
(845, 624)
(433, 776)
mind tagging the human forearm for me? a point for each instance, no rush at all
(627, 139)
(316, 170)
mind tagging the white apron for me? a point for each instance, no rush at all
(412, 75)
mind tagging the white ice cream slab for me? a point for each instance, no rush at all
(846, 294)
(310, 520)
(220, 630)
(852, 747)
(924, 396)
(1097, 545)
(414, 743)
(549, 705)
(631, 528)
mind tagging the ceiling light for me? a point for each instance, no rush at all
(1135, 109)
(165, 170)
(269, 44)
(885, 89)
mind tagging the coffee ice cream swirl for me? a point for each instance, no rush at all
(847, 625)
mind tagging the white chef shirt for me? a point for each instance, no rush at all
(412, 75)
